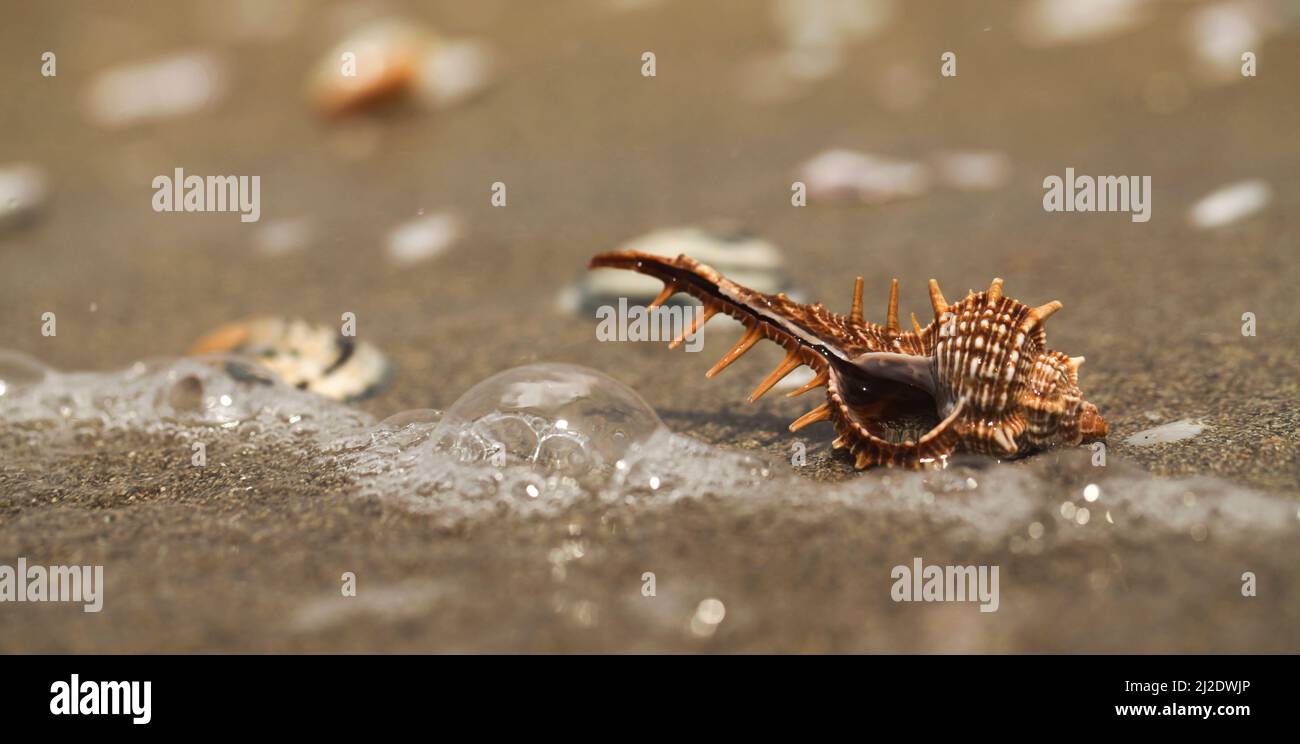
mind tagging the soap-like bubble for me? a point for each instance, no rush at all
(562, 418)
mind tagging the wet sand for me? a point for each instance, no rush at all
(593, 154)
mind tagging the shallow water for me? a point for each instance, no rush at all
(541, 438)
(1107, 545)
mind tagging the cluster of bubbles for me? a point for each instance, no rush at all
(536, 438)
(545, 434)
(558, 417)
(196, 396)
(543, 437)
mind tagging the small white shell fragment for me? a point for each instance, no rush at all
(741, 256)
(1045, 23)
(173, 86)
(872, 179)
(831, 23)
(1171, 432)
(22, 193)
(972, 170)
(1220, 33)
(283, 236)
(1230, 203)
(423, 238)
(454, 71)
(310, 357)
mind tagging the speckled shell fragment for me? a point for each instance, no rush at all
(309, 357)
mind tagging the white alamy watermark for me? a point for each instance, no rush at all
(24, 583)
(935, 583)
(675, 323)
(182, 193)
(91, 698)
(1073, 193)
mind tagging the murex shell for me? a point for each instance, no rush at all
(978, 378)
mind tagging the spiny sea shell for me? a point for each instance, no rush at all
(978, 378)
(310, 357)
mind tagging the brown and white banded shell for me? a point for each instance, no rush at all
(978, 378)
(309, 357)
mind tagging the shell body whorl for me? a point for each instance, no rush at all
(990, 351)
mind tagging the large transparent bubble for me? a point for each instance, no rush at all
(561, 418)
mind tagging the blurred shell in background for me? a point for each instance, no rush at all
(831, 24)
(1220, 33)
(868, 178)
(22, 192)
(162, 88)
(1047, 23)
(1231, 203)
(316, 358)
(423, 238)
(389, 59)
(453, 71)
(727, 247)
(283, 236)
(972, 170)
(815, 36)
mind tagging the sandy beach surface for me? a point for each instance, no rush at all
(246, 554)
